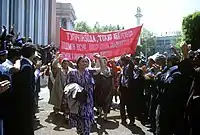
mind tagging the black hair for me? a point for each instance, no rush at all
(137, 59)
(161, 57)
(104, 58)
(64, 60)
(125, 60)
(14, 52)
(78, 61)
(28, 50)
(173, 59)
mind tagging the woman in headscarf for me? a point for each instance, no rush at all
(83, 76)
(58, 85)
(104, 90)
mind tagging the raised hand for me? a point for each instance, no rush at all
(58, 55)
(97, 56)
(14, 70)
(4, 85)
(185, 49)
(4, 27)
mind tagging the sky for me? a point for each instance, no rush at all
(159, 16)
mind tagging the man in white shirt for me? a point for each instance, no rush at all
(13, 55)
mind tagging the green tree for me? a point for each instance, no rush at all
(148, 42)
(110, 27)
(82, 27)
(97, 27)
(178, 41)
(104, 28)
(191, 30)
(139, 49)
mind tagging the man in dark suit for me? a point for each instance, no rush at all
(126, 91)
(24, 88)
(6, 113)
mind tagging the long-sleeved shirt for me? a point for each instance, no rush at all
(124, 77)
(6, 66)
(37, 74)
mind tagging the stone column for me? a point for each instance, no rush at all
(64, 17)
(1, 18)
(4, 13)
(58, 25)
(36, 21)
(14, 18)
(26, 19)
(46, 16)
(20, 24)
(40, 19)
(52, 22)
(31, 18)
(69, 24)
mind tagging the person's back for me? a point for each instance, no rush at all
(24, 86)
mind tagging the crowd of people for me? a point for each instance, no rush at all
(162, 93)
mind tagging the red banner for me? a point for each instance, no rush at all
(110, 44)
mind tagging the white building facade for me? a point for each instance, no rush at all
(65, 17)
(164, 43)
(32, 18)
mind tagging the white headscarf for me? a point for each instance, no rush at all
(90, 63)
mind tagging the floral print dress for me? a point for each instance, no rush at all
(85, 118)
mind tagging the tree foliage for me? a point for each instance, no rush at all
(148, 43)
(84, 27)
(191, 30)
(179, 41)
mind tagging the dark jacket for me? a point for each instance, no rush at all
(24, 88)
(6, 112)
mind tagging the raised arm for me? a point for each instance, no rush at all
(55, 63)
(101, 63)
(185, 49)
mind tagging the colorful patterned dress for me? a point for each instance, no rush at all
(84, 119)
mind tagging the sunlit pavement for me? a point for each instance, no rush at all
(55, 125)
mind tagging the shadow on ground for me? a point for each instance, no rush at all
(103, 125)
(135, 129)
(59, 121)
(99, 127)
(38, 125)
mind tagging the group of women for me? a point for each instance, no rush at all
(62, 73)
